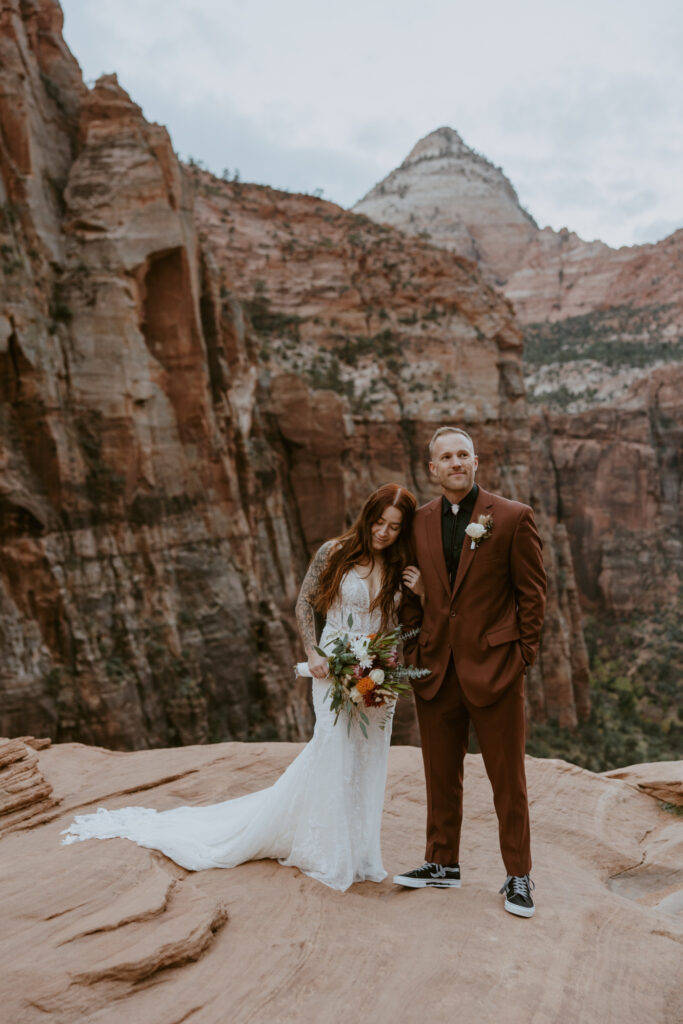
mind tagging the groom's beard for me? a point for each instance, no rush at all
(459, 484)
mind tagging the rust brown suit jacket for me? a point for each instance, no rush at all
(490, 620)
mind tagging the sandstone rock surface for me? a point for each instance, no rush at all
(660, 780)
(107, 931)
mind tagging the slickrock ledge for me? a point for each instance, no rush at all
(108, 932)
(25, 796)
(660, 780)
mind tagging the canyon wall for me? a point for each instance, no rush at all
(199, 381)
(149, 562)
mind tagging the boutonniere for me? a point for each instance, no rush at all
(479, 531)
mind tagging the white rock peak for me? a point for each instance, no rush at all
(440, 143)
(457, 197)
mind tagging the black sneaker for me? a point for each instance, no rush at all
(430, 874)
(517, 889)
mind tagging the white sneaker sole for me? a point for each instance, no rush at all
(512, 908)
(422, 883)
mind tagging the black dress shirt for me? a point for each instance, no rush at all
(453, 529)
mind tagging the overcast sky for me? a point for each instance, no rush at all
(580, 103)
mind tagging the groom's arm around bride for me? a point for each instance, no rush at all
(488, 618)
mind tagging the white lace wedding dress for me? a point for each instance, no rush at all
(323, 814)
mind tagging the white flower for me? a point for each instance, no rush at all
(377, 676)
(359, 648)
(475, 530)
(355, 696)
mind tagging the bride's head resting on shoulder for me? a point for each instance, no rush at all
(381, 533)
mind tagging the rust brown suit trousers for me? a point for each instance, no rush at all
(477, 637)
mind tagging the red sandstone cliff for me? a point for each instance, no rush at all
(148, 563)
(199, 381)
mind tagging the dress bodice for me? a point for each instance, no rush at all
(353, 599)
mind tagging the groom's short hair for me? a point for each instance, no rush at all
(447, 430)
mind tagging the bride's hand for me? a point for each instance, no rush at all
(412, 577)
(318, 666)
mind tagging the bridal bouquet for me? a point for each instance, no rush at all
(366, 673)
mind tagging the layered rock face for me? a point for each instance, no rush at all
(604, 373)
(200, 381)
(148, 564)
(604, 377)
(109, 932)
(25, 797)
(368, 340)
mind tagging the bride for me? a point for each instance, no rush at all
(323, 814)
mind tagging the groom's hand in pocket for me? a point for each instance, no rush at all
(527, 663)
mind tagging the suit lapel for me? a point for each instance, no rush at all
(467, 555)
(435, 542)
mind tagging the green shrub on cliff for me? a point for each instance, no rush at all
(636, 697)
(617, 337)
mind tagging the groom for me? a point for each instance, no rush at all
(480, 589)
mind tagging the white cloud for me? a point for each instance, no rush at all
(655, 230)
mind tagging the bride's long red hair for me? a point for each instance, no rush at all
(356, 546)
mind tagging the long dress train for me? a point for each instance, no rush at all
(323, 814)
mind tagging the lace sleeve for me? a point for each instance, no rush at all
(305, 609)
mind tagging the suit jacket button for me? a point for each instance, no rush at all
(452, 615)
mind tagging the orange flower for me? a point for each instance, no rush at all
(371, 636)
(365, 685)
